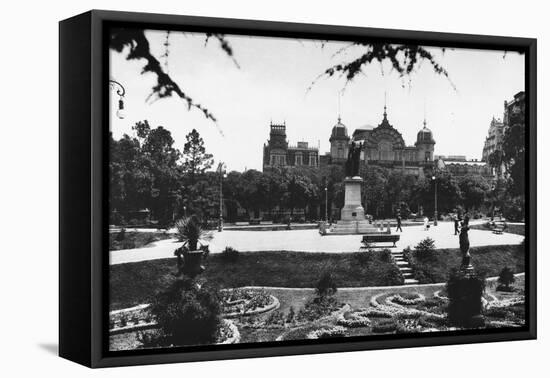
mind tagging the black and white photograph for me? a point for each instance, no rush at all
(270, 189)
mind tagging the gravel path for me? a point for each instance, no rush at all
(311, 241)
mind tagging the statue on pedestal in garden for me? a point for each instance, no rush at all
(464, 242)
(354, 156)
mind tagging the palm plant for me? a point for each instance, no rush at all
(191, 233)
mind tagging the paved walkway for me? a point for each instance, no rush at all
(311, 241)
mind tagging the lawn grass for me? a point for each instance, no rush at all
(135, 283)
(133, 239)
(488, 260)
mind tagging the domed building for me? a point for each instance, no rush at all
(384, 146)
(339, 142)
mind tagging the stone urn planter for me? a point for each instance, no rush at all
(192, 263)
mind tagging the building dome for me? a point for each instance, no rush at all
(339, 130)
(424, 135)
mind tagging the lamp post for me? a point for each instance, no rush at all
(120, 91)
(221, 171)
(434, 179)
(326, 204)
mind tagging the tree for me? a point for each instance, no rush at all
(144, 172)
(299, 190)
(448, 192)
(374, 190)
(159, 157)
(495, 159)
(475, 190)
(195, 159)
(514, 156)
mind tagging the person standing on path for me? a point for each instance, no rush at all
(399, 224)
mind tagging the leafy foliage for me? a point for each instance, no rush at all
(134, 41)
(425, 249)
(187, 315)
(404, 59)
(506, 278)
(326, 286)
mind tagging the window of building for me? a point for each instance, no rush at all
(278, 160)
(312, 160)
(298, 160)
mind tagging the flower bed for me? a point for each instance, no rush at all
(405, 299)
(353, 319)
(391, 309)
(246, 302)
(131, 319)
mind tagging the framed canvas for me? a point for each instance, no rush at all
(235, 188)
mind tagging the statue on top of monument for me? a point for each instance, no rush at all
(352, 163)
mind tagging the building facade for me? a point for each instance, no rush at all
(279, 153)
(383, 146)
(494, 139)
(458, 166)
(514, 114)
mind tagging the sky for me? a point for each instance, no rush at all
(270, 83)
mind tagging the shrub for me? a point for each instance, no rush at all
(317, 308)
(465, 292)
(121, 235)
(326, 286)
(395, 277)
(290, 317)
(186, 315)
(505, 279)
(230, 254)
(425, 250)
(385, 255)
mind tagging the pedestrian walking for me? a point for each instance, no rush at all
(399, 224)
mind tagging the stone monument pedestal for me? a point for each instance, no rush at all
(352, 216)
(352, 210)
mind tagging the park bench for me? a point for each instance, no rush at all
(254, 221)
(380, 238)
(499, 228)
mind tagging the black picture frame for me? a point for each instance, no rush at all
(83, 123)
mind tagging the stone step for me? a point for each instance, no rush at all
(405, 270)
(402, 263)
(407, 275)
(410, 281)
